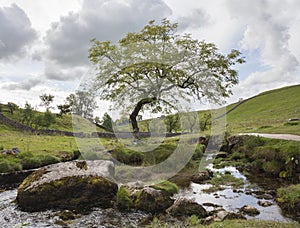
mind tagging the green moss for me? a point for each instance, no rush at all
(35, 176)
(127, 156)
(166, 186)
(124, 202)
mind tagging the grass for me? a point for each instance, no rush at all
(193, 221)
(227, 180)
(268, 112)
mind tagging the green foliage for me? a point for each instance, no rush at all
(46, 100)
(28, 115)
(200, 148)
(124, 202)
(172, 122)
(82, 103)
(166, 186)
(107, 122)
(12, 107)
(152, 68)
(289, 197)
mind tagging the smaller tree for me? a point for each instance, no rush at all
(28, 114)
(172, 122)
(12, 107)
(48, 119)
(205, 121)
(64, 109)
(46, 100)
(107, 122)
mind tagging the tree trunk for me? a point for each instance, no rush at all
(135, 113)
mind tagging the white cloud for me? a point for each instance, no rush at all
(16, 32)
(23, 85)
(68, 40)
(268, 30)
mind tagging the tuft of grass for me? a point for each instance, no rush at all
(166, 186)
(227, 180)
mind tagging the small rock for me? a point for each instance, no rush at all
(249, 210)
(210, 205)
(187, 207)
(199, 178)
(66, 215)
(264, 203)
(222, 155)
(265, 196)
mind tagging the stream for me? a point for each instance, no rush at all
(229, 198)
(232, 199)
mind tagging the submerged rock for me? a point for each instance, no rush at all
(76, 185)
(264, 203)
(249, 210)
(187, 207)
(200, 177)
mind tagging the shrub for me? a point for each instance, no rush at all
(273, 167)
(198, 152)
(289, 197)
(266, 153)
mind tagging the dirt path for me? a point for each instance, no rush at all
(275, 136)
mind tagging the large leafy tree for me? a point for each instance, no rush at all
(157, 69)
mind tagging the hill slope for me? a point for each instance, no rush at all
(267, 112)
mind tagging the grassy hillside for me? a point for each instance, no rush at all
(268, 112)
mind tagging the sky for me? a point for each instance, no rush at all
(44, 44)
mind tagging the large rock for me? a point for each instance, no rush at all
(187, 207)
(151, 200)
(76, 185)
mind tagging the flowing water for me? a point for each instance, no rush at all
(12, 217)
(233, 199)
(230, 199)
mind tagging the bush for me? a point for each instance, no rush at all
(198, 152)
(273, 167)
(123, 199)
(289, 197)
(266, 153)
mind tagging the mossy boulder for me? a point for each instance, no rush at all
(76, 185)
(187, 207)
(152, 200)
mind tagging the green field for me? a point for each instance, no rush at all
(268, 112)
